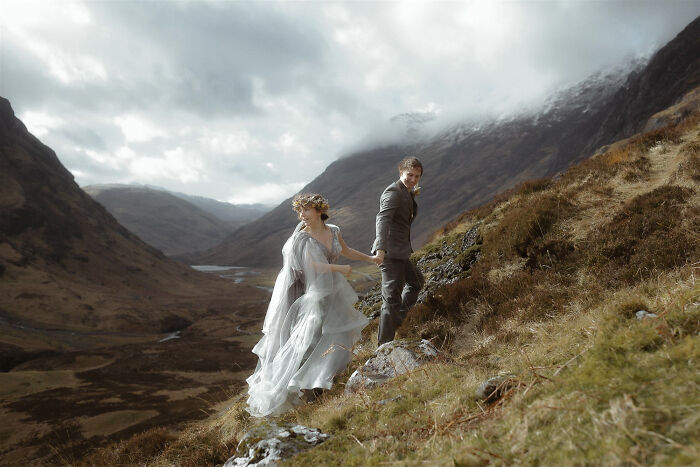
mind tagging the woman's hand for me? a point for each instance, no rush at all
(346, 270)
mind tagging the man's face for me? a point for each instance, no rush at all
(411, 177)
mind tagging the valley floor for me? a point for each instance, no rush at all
(95, 387)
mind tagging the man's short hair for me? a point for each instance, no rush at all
(410, 163)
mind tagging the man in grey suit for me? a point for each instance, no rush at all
(401, 279)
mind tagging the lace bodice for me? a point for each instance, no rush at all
(334, 253)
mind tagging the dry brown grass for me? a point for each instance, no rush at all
(608, 222)
(647, 236)
(137, 450)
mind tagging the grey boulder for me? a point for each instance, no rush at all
(390, 360)
(268, 443)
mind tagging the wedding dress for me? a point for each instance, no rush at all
(310, 326)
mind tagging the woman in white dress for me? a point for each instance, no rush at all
(311, 324)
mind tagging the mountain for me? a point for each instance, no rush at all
(174, 223)
(101, 335)
(467, 165)
(66, 263)
(235, 215)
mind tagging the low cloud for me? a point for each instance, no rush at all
(249, 101)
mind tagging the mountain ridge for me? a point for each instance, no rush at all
(174, 223)
(472, 169)
(65, 262)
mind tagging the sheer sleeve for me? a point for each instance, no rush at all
(318, 278)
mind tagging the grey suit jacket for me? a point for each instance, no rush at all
(397, 209)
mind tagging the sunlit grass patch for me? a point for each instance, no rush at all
(620, 398)
(389, 423)
(18, 384)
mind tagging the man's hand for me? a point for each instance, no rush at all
(346, 270)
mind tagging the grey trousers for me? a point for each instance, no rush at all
(401, 282)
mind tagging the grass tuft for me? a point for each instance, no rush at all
(647, 236)
(524, 225)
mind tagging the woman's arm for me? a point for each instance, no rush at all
(352, 253)
(325, 267)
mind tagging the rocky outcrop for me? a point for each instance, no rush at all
(451, 261)
(442, 264)
(644, 314)
(389, 361)
(268, 443)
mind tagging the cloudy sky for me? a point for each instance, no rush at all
(247, 101)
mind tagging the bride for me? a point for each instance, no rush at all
(311, 324)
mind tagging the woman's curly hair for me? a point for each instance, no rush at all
(313, 200)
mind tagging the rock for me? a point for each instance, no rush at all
(390, 360)
(493, 388)
(268, 443)
(643, 314)
(393, 399)
(442, 267)
(370, 303)
(462, 253)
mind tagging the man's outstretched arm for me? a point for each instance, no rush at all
(388, 204)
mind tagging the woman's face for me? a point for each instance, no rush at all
(309, 213)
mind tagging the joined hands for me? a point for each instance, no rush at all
(378, 258)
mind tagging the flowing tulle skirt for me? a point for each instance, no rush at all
(312, 343)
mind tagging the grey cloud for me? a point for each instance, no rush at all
(83, 137)
(215, 51)
(194, 66)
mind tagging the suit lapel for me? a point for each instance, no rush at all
(410, 200)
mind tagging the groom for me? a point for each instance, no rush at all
(401, 279)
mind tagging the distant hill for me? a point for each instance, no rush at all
(467, 165)
(175, 223)
(235, 215)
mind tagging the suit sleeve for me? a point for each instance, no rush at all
(388, 204)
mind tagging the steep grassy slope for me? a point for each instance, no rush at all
(65, 262)
(563, 266)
